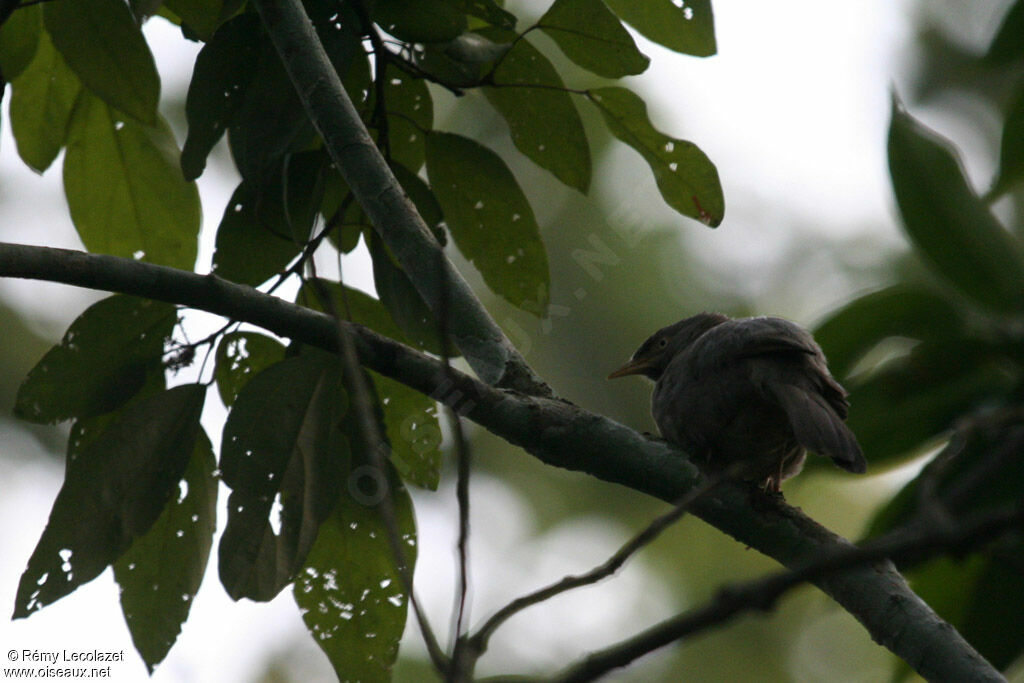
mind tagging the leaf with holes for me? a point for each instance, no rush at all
(543, 121)
(220, 78)
(101, 362)
(161, 573)
(410, 418)
(285, 441)
(490, 219)
(686, 26)
(350, 592)
(686, 177)
(240, 357)
(590, 35)
(116, 486)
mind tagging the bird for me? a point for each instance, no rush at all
(753, 394)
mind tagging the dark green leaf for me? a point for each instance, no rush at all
(161, 573)
(913, 400)
(410, 417)
(241, 356)
(490, 219)
(686, 177)
(42, 101)
(488, 10)
(269, 123)
(103, 45)
(420, 21)
(543, 121)
(262, 231)
(947, 222)
(203, 17)
(343, 217)
(1008, 44)
(994, 620)
(115, 488)
(125, 190)
(403, 302)
(1011, 152)
(413, 430)
(19, 36)
(446, 64)
(101, 362)
(687, 27)
(897, 311)
(590, 35)
(411, 111)
(282, 439)
(223, 70)
(475, 48)
(351, 593)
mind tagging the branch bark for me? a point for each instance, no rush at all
(559, 434)
(489, 352)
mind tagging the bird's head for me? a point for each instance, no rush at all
(657, 352)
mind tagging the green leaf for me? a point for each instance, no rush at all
(42, 100)
(490, 219)
(103, 45)
(543, 121)
(262, 231)
(115, 488)
(901, 310)
(282, 439)
(401, 299)
(913, 400)
(1011, 151)
(125, 190)
(203, 17)
(410, 112)
(410, 417)
(420, 21)
(241, 356)
(19, 36)
(161, 573)
(350, 592)
(590, 35)
(488, 10)
(220, 79)
(686, 177)
(269, 123)
(101, 362)
(947, 222)
(687, 27)
(413, 431)
(1008, 44)
(993, 621)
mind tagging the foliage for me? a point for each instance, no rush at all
(141, 478)
(956, 375)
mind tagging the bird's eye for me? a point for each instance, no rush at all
(662, 343)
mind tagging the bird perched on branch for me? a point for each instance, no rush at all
(752, 390)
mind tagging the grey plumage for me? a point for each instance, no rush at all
(750, 390)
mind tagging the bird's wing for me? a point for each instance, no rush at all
(816, 423)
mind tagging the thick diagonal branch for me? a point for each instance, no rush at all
(488, 351)
(560, 434)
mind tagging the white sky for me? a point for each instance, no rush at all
(793, 111)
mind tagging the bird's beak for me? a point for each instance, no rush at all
(635, 366)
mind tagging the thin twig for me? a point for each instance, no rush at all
(480, 640)
(915, 541)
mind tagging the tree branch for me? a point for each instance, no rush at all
(559, 434)
(917, 542)
(489, 352)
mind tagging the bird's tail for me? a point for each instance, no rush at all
(819, 428)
